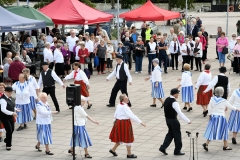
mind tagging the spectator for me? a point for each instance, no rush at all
(221, 43)
(122, 50)
(177, 27)
(14, 47)
(96, 30)
(198, 54)
(148, 34)
(219, 31)
(6, 68)
(109, 56)
(67, 57)
(28, 46)
(205, 34)
(26, 59)
(181, 38)
(90, 46)
(204, 43)
(58, 61)
(55, 30)
(127, 35)
(199, 22)
(40, 47)
(232, 43)
(83, 53)
(185, 52)
(104, 33)
(134, 35)
(101, 52)
(162, 47)
(236, 50)
(151, 51)
(194, 29)
(129, 47)
(53, 41)
(71, 41)
(192, 45)
(238, 27)
(171, 36)
(182, 28)
(143, 30)
(48, 55)
(15, 69)
(74, 51)
(139, 52)
(9, 55)
(173, 49)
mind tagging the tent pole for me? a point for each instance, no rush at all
(118, 38)
(1, 49)
(164, 26)
(186, 19)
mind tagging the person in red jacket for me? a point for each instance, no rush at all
(15, 69)
(204, 43)
(82, 53)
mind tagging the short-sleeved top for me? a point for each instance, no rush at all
(80, 116)
(101, 51)
(162, 52)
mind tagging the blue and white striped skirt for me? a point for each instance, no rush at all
(32, 102)
(26, 113)
(187, 94)
(82, 138)
(217, 128)
(234, 121)
(44, 133)
(157, 92)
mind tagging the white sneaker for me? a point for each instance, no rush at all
(136, 72)
(140, 71)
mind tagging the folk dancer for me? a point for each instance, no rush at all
(2, 88)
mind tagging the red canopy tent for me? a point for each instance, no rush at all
(149, 12)
(74, 12)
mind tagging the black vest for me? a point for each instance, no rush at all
(47, 79)
(122, 73)
(10, 107)
(169, 111)
(222, 82)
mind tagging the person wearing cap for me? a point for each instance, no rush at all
(82, 138)
(58, 60)
(47, 78)
(122, 131)
(220, 80)
(236, 51)
(122, 50)
(185, 50)
(172, 110)
(8, 115)
(156, 80)
(123, 76)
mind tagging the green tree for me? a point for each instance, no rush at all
(6, 2)
(180, 4)
(127, 4)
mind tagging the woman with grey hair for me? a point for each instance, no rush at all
(156, 80)
(197, 50)
(48, 55)
(58, 60)
(217, 128)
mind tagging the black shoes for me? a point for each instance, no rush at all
(163, 151)
(49, 153)
(131, 156)
(205, 146)
(8, 148)
(38, 148)
(189, 109)
(87, 156)
(234, 141)
(153, 105)
(185, 108)
(0, 139)
(196, 70)
(114, 153)
(25, 126)
(227, 148)
(166, 72)
(205, 113)
(179, 154)
(20, 128)
(71, 152)
(89, 106)
(110, 105)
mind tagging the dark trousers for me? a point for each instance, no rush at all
(51, 91)
(101, 64)
(216, 52)
(191, 62)
(109, 63)
(130, 60)
(204, 56)
(138, 63)
(33, 69)
(164, 59)
(119, 85)
(51, 65)
(198, 63)
(41, 61)
(9, 127)
(134, 57)
(72, 57)
(174, 57)
(236, 64)
(90, 68)
(186, 59)
(174, 132)
(150, 64)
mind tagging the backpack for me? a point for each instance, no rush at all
(87, 72)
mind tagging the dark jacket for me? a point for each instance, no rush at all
(140, 52)
(127, 43)
(195, 32)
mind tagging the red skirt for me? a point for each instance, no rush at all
(203, 99)
(84, 91)
(122, 131)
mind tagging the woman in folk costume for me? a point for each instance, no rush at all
(80, 78)
(187, 87)
(203, 80)
(22, 89)
(43, 121)
(122, 131)
(217, 128)
(33, 89)
(2, 88)
(234, 118)
(156, 80)
(82, 138)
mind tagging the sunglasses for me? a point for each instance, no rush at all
(108, 43)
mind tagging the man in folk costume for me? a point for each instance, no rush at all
(122, 75)
(47, 78)
(80, 78)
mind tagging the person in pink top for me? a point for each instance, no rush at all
(236, 50)
(181, 38)
(204, 43)
(222, 42)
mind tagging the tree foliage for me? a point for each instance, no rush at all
(6, 2)
(127, 4)
(180, 4)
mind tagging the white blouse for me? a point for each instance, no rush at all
(156, 74)
(152, 47)
(80, 76)
(80, 116)
(171, 47)
(33, 86)
(217, 106)
(193, 42)
(204, 79)
(235, 98)
(48, 55)
(124, 112)
(232, 45)
(109, 51)
(186, 79)
(44, 113)
(200, 51)
(58, 57)
(76, 56)
(184, 48)
(22, 92)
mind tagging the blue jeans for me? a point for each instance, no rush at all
(150, 65)
(221, 57)
(165, 61)
(138, 63)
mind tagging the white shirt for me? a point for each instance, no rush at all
(193, 42)
(214, 82)
(235, 98)
(33, 86)
(58, 57)
(156, 74)
(80, 76)
(176, 107)
(5, 70)
(124, 112)
(53, 74)
(44, 113)
(79, 116)
(152, 47)
(3, 105)
(200, 51)
(22, 96)
(109, 51)
(217, 106)
(71, 42)
(47, 54)
(171, 47)
(183, 47)
(76, 56)
(204, 79)
(186, 79)
(232, 44)
(89, 45)
(49, 39)
(116, 73)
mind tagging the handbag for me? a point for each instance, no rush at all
(225, 50)
(230, 56)
(87, 60)
(96, 61)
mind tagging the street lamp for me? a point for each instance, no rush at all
(227, 18)
(118, 38)
(186, 18)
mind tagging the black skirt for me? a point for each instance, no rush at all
(67, 67)
(236, 64)
(59, 68)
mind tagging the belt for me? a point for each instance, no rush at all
(49, 86)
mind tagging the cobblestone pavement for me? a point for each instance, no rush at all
(147, 140)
